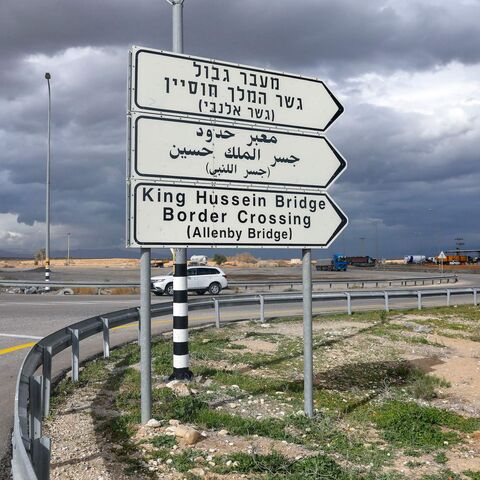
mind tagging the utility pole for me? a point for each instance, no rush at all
(181, 357)
(47, 205)
(68, 248)
(458, 244)
(362, 246)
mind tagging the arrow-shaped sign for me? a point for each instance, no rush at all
(172, 84)
(181, 149)
(166, 215)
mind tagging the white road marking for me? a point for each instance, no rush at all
(14, 335)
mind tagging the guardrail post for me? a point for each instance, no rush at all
(139, 324)
(106, 337)
(262, 308)
(387, 308)
(35, 407)
(42, 448)
(217, 312)
(475, 296)
(349, 303)
(47, 379)
(75, 353)
(448, 298)
(419, 295)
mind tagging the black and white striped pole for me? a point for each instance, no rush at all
(181, 357)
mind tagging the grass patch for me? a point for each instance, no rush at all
(441, 458)
(163, 441)
(412, 426)
(472, 475)
(275, 466)
(424, 386)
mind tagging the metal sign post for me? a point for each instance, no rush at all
(307, 332)
(145, 337)
(441, 257)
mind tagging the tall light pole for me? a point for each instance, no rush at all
(362, 246)
(47, 206)
(68, 248)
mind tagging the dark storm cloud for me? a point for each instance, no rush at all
(284, 33)
(410, 181)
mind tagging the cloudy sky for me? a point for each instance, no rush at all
(407, 72)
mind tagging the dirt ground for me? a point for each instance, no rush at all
(395, 397)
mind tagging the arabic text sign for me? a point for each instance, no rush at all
(176, 84)
(166, 215)
(169, 148)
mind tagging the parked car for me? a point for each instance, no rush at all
(199, 279)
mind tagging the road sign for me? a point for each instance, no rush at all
(173, 84)
(442, 256)
(166, 215)
(167, 148)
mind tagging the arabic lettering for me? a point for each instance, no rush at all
(229, 168)
(260, 172)
(261, 139)
(235, 152)
(223, 134)
(185, 152)
(292, 159)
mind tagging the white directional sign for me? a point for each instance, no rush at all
(181, 149)
(165, 215)
(172, 84)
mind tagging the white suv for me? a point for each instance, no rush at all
(199, 279)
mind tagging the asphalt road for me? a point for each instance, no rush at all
(26, 318)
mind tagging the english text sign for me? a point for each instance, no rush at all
(166, 215)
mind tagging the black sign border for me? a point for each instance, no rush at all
(343, 223)
(232, 65)
(340, 169)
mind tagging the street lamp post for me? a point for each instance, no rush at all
(68, 248)
(47, 206)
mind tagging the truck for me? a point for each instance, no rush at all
(158, 262)
(457, 259)
(409, 259)
(336, 264)
(363, 261)
(198, 260)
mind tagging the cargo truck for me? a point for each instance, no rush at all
(364, 261)
(336, 264)
(457, 259)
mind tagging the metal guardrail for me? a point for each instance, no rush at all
(31, 450)
(346, 281)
